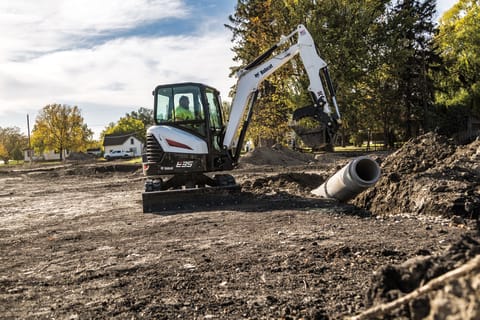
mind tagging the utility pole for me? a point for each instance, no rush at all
(29, 142)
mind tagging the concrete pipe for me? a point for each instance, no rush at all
(348, 182)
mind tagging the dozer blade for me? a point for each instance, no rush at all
(193, 199)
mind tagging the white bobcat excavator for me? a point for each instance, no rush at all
(191, 136)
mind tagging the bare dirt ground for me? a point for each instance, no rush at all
(74, 243)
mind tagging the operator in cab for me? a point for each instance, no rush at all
(182, 112)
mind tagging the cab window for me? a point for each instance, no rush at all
(178, 104)
(214, 110)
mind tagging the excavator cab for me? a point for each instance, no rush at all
(189, 126)
(190, 106)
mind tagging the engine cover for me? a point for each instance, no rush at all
(157, 161)
(175, 140)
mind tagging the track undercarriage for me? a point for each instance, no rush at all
(188, 192)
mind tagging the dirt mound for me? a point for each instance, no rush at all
(283, 181)
(294, 183)
(456, 297)
(428, 175)
(276, 155)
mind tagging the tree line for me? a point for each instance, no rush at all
(396, 71)
(61, 127)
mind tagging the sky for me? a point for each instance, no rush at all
(106, 56)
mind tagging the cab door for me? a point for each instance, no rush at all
(215, 118)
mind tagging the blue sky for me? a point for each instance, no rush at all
(106, 56)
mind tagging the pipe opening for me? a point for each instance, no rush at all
(367, 170)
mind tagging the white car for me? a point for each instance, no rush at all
(118, 154)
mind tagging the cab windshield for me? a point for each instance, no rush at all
(180, 106)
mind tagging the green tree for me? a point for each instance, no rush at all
(402, 57)
(136, 122)
(143, 114)
(60, 127)
(3, 153)
(379, 53)
(348, 36)
(256, 26)
(344, 33)
(126, 125)
(415, 92)
(458, 43)
(13, 143)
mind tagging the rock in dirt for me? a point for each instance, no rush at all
(428, 175)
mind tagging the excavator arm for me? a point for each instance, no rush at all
(250, 78)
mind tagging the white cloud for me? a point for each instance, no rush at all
(41, 61)
(121, 71)
(31, 27)
(113, 14)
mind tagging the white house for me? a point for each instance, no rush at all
(124, 142)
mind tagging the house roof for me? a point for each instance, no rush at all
(117, 139)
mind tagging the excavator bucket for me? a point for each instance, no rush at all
(314, 138)
(314, 127)
(190, 199)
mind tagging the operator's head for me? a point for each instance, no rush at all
(184, 101)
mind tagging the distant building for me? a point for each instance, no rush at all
(47, 155)
(124, 142)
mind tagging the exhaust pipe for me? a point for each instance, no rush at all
(348, 182)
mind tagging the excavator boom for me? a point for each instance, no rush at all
(250, 77)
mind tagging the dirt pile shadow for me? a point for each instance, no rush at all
(428, 175)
